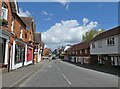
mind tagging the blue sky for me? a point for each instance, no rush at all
(47, 14)
(106, 14)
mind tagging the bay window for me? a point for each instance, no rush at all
(4, 13)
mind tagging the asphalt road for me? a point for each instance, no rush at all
(62, 74)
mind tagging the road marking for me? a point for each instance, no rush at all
(59, 69)
(66, 79)
(64, 76)
(49, 66)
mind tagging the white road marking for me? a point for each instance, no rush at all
(49, 66)
(66, 79)
(59, 69)
(64, 76)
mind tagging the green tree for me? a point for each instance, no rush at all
(91, 34)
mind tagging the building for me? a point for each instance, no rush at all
(79, 53)
(17, 50)
(38, 48)
(47, 52)
(30, 31)
(5, 30)
(105, 47)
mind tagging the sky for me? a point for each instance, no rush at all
(63, 23)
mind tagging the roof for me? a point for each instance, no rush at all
(15, 14)
(37, 37)
(79, 46)
(29, 21)
(13, 8)
(108, 33)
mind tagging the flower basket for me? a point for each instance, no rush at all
(3, 22)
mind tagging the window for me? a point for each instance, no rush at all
(93, 45)
(21, 31)
(4, 13)
(110, 41)
(12, 26)
(86, 51)
(19, 53)
(100, 44)
(73, 52)
(76, 52)
(80, 51)
(25, 36)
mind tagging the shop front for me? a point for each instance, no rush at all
(18, 53)
(4, 48)
(115, 60)
(29, 55)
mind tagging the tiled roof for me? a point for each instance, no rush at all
(14, 14)
(28, 21)
(108, 33)
(82, 45)
(37, 37)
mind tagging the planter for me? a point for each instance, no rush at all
(3, 22)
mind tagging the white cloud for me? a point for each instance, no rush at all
(44, 13)
(47, 19)
(66, 32)
(24, 14)
(85, 21)
(65, 3)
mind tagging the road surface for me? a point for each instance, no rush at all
(62, 74)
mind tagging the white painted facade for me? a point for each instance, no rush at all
(39, 55)
(106, 52)
(105, 49)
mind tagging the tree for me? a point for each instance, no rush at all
(91, 34)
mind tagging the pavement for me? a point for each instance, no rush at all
(16, 77)
(63, 74)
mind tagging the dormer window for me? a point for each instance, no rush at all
(4, 13)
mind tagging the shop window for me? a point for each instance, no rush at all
(19, 53)
(2, 52)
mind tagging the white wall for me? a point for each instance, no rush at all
(39, 55)
(105, 49)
